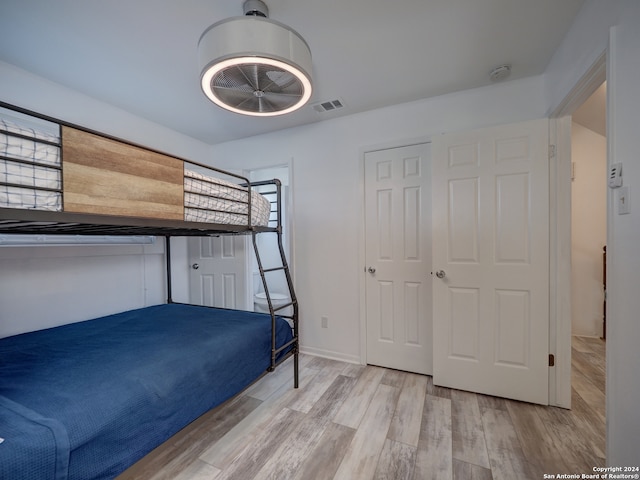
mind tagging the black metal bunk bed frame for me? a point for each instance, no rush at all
(26, 221)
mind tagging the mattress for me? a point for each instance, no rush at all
(208, 199)
(87, 400)
(29, 167)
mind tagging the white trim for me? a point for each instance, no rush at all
(560, 263)
(320, 352)
(584, 88)
(560, 238)
(19, 240)
(610, 392)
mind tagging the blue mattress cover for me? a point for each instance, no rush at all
(87, 400)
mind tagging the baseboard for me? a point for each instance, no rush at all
(319, 352)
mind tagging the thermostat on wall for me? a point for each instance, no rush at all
(615, 175)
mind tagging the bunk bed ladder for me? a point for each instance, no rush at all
(284, 268)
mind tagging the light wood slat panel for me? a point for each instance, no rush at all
(322, 463)
(595, 345)
(393, 378)
(434, 455)
(405, 426)
(487, 401)
(361, 457)
(305, 400)
(182, 449)
(593, 370)
(467, 430)
(259, 449)
(274, 381)
(104, 176)
(468, 471)
(396, 462)
(198, 470)
(320, 362)
(222, 453)
(505, 454)
(589, 424)
(591, 394)
(437, 391)
(353, 409)
(294, 449)
(571, 442)
(535, 440)
(522, 439)
(353, 370)
(588, 345)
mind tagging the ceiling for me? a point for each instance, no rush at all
(141, 55)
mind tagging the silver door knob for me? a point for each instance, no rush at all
(371, 270)
(195, 266)
(441, 274)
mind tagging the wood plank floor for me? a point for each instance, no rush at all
(355, 422)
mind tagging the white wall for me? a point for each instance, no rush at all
(590, 35)
(327, 181)
(45, 286)
(588, 229)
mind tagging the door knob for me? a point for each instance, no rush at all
(371, 270)
(441, 274)
(195, 266)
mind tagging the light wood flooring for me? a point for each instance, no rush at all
(354, 422)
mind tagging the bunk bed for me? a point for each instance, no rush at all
(88, 399)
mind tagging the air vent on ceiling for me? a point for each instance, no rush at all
(328, 106)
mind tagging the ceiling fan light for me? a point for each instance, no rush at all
(255, 66)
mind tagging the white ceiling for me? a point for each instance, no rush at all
(141, 55)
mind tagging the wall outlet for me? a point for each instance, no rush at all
(324, 322)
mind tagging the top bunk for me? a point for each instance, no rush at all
(57, 178)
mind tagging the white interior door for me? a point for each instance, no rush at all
(398, 258)
(218, 271)
(491, 242)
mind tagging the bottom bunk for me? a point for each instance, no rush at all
(87, 400)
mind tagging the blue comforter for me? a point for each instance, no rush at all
(87, 400)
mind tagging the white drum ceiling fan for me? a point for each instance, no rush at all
(253, 65)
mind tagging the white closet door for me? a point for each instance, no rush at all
(491, 243)
(398, 258)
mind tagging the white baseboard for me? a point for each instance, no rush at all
(319, 352)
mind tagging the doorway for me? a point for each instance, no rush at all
(588, 215)
(267, 244)
(588, 253)
(223, 271)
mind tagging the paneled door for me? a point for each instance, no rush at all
(491, 259)
(217, 268)
(398, 258)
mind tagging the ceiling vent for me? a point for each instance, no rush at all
(253, 65)
(329, 106)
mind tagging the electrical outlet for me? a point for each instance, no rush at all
(324, 322)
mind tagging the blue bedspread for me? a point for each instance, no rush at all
(87, 400)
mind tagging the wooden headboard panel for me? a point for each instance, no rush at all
(104, 176)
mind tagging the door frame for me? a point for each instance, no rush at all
(288, 231)
(361, 232)
(560, 227)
